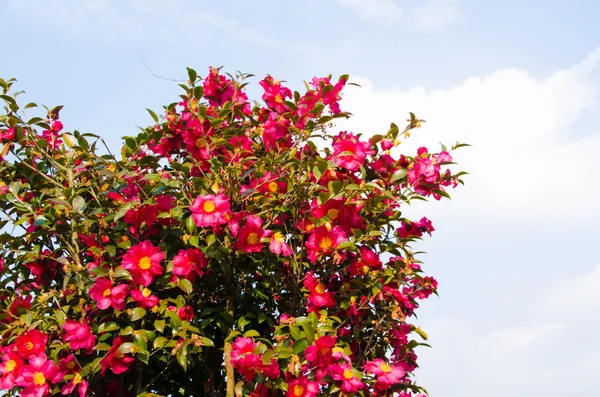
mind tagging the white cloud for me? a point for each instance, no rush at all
(435, 14)
(373, 9)
(523, 165)
(430, 16)
(553, 355)
(133, 20)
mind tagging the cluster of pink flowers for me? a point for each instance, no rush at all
(247, 359)
(25, 364)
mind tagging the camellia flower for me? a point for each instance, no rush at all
(247, 363)
(144, 298)
(344, 373)
(387, 375)
(10, 369)
(72, 371)
(78, 335)
(143, 262)
(210, 210)
(31, 343)
(320, 353)
(275, 94)
(349, 152)
(106, 295)
(319, 296)
(302, 387)
(323, 240)
(36, 377)
(186, 313)
(278, 245)
(115, 361)
(189, 263)
(250, 235)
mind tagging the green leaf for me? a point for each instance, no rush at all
(159, 325)
(122, 273)
(190, 225)
(251, 334)
(300, 345)
(111, 249)
(108, 327)
(207, 342)
(198, 92)
(185, 285)
(102, 347)
(126, 347)
(401, 173)
(159, 342)
(154, 116)
(192, 74)
(137, 313)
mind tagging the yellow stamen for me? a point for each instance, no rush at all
(145, 263)
(386, 368)
(208, 206)
(320, 288)
(39, 378)
(10, 365)
(106, 293)
(333, 213)
(325, 242)
(278, 236)
(146, 292)
(273, 187)
(348, 374)
(298, 391)
(252, 238)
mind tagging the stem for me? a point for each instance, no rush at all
(227, 347)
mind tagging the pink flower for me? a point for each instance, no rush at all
(302, 387)
(186, 313)
(10, 369)
(319, 296)
(349, 152)
(189, 263)
(115, 361)
(38, 375)
(276, 135)
(210, 210)
(275, 94)
(278, 245)
(250, 235)
(106, 295)
(320, 353)
(31, 343)
(78, 335)
(144, 298)
(323, 241)
(387, 375)
(143, 262)
(344, 373)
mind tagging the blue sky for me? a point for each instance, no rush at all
(515, 250)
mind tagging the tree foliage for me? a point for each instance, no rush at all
(236, 248)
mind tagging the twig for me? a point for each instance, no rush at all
(154, 74)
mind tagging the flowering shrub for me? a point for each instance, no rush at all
(223, 254)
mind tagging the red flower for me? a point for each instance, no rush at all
(32, 342)
(106, 295)
(319, 296)
(323, 240)
(186, 313)
(349, 152)
(302, 387)
(36, 376)
(320, 353)
(344, 373)
(115, 361)
(78, 335)
(278, 245)
(250, 235)
(275, 95)
(10, 369)
(189, 263)
(144, 298)
(210, 210)
(387, 375)
(143, 262)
